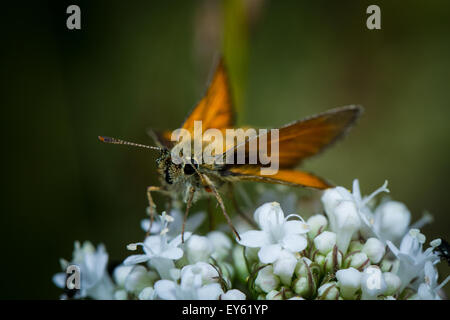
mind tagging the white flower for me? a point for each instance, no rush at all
(429, 290)
(266, 280)
(372, 283)
(348, 212)
(158, 250)
(158, 246)
(221, 244)
(193, 285)
(198, 248)
(374, 249)
(95, 281)
(349, 281)
(276, 233)
(325, 242)
(412, 258)
(192, 223)
(391, 220)
(233, 294)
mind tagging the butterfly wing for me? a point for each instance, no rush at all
(283, 176)
(215, 109)
(296, 141)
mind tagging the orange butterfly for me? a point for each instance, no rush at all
(191, 178)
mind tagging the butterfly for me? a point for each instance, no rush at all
(191, 179)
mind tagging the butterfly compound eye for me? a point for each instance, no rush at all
(189, 167)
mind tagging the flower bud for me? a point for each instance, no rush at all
(347, 222)
(374, 249)
(284, 267)
(319, 259)
(355, 245)
(120, 295)
(147, 294)
(372, 283)
(331, 198)
(266, 280)
(357, 260)
(233, 294)
(349, 281)
(325, 242)
(393, 283)
(316, 223)
(121, 273)
(281, 294)
(198, 248)
(386, 265)
(301, 269)
(394, 218)
(139, 278)
(333, 260)
(303, 287)
(328, 291)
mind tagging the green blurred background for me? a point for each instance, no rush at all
(142, 64)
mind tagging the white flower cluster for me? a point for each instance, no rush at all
(354, 251)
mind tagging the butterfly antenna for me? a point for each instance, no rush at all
(119, 141)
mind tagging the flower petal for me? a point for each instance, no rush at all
(175, 242)
(135, 259)
(254, 239)
(269, 253)
(172, 253)
(295, 227)
(59, 280)
(294, 242)
(269, 215)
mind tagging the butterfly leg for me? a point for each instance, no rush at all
(210, 210)
(222, 206)
(188, 206)
(152, 205)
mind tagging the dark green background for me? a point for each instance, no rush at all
(141, 64)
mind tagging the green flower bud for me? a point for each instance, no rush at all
(266, 280)
(386, 265)
(355, 245)
(357, 260)
(333, 261)
(301, 269)
(283, 294)
(316, 223)
(274, 295)
(319, 259)
(302, 287)
(325, 242)
(328, 291)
